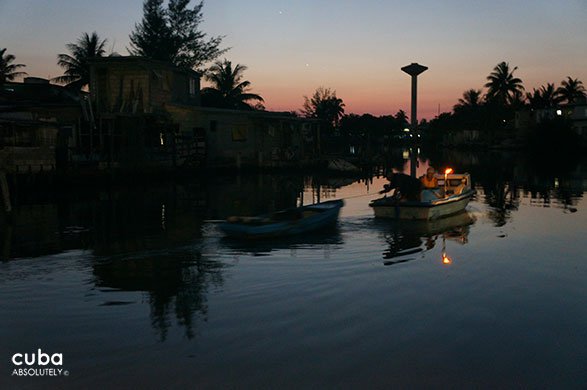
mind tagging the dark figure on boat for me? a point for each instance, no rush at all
(407, 187)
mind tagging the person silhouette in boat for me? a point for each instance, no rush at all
(430, 190)
(429, 180)
(406, 187)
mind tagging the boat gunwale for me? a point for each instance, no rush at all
(451, 199)
(332, 205)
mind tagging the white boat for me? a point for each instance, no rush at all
(457, 193)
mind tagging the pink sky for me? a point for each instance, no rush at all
(355, 48)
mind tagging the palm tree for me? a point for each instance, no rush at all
(402, 119)
(8, 71)
(545, 97)
(76, 65)
(228, 91)
(571, 90)
(324, 105)
(471, 99)
(502, 85)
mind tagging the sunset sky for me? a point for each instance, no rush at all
(354, 47)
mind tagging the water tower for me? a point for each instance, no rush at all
(414, 70)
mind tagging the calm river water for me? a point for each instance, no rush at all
(135, 289)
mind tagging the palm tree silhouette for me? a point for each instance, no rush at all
(324, 105)
(228, 91)
(77, 69)
(8, 71)
(471, 99)
(502, 85)
(544, 97)
(571, 90)
(402, 119)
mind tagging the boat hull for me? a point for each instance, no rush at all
(421, 210)
(313, 217)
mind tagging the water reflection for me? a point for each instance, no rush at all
(176, 283)
(323, 239)
(140, 217)
(407, 238)
(148, 238)
(504, 180)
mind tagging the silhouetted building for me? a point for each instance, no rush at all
(148, 113)
(578, 114)
(39, 125)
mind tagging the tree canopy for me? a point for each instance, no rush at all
(8, 70)
(502, 86)
(76, 64)
(172, 34)
(571, 90)
(324, 105)
(228, 88)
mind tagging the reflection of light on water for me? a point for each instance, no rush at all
(445, 259)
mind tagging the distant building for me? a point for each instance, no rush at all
(39, 124)
(249, 138)
(462, 138)
(149, 113)
(578, 114)
(139, 85)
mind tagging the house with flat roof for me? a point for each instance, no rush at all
(149, 113)
(39, 123)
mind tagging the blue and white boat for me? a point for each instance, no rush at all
(457, 193)
(284, 223)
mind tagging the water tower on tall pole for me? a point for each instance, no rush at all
(414, 70)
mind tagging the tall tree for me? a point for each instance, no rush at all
(9, 71)
(173, 35)
(228, 88)
(324, 105)
(193, 49)
(401, 119)
(471, 100)
(571, 90)
(502, 86)
(544, 97)
(152, 37)
(76, 64)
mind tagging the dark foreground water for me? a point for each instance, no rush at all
(136, 290)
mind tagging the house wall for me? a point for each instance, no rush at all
(27, 148)
(118, 88)
(245, 137)
(579, 119)
(140, 86)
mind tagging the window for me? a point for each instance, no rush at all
(239, 134)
